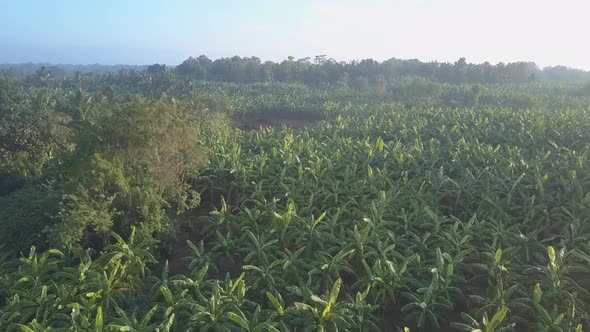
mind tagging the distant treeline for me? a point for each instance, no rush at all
(321, 70)
(61, 70)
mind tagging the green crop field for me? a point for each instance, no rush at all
(154, 201)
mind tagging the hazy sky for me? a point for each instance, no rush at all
(149, 31)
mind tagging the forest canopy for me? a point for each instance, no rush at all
(320, 69)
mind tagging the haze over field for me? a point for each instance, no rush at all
(144, 32)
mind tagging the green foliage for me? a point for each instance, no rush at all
(380, 217)
(128, 168)
(32, 133)
(429, 214)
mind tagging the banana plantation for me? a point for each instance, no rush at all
(144, 208)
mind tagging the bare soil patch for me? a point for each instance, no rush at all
(176, 263)
(278, 119)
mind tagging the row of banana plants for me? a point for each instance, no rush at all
(385, 218)
(52, 291)
(446, 219)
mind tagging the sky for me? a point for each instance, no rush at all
(548, 32)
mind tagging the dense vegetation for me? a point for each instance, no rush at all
(321, 70)
(414, 201)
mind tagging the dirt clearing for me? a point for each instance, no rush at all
(278, 119)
